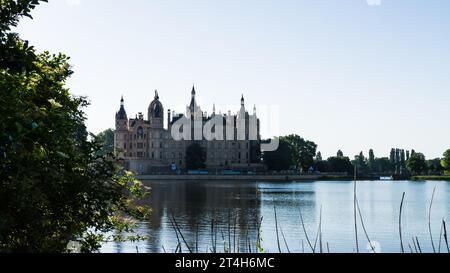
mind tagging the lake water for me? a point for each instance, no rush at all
(237, 207)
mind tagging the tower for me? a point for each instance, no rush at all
(156, 113)
(121, 131)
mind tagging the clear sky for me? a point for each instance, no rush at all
(347, 74)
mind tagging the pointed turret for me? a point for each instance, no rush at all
(122, 114)
(193, 103)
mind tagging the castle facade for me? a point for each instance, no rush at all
(152, 146)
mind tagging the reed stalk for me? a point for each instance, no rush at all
(276, 227)
(364, 227)
(306, 233)
(284, 239)
(400, 224)
(445, 235)
(418, 245)
(429, 220)
(354, 211)
(176, 233)
(181, 234)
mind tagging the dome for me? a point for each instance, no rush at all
(155, 110)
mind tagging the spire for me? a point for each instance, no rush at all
(122, 114)
(242, 100)
(193, 104)
(156, 95)
(214, 109)
(254, 110)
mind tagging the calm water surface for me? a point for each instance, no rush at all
(196, 204)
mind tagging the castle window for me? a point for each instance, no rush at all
(131, 145)
(160, 145)
(140, 145)
(140, 133)
(153, 155)
(124, 145)
(140, 154)
(160, 155)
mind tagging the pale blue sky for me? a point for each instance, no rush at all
(345, 74)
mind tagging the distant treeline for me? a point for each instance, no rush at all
(296, 153)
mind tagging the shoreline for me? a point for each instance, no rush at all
(278, 177)
(245, 177)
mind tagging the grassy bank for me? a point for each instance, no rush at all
(431, 177)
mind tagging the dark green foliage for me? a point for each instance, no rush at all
(361, 163)
(371, 161)
(294, 151)
(434, 166)
(319, 157)
(417, 163)
(340, 164)
(280, 159)
(195, 157)
(106, 142)
(381, 165)
(392, 160)
(54, 188)
(302, 151)
(445, 162)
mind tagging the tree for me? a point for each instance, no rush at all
(402, 161)
(392, 160)
(445, 162)
(195, 157)
(319, 157)
(360, 162)
(371, 161)
(106, 141)
(54, 187)
(397, 161)
(417, 163)
(302, 151)
(340, 164)
(434, 166)
(281, 159)
(382, 165)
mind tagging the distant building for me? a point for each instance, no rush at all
(147, 146)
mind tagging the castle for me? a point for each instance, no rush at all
(147, 146)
